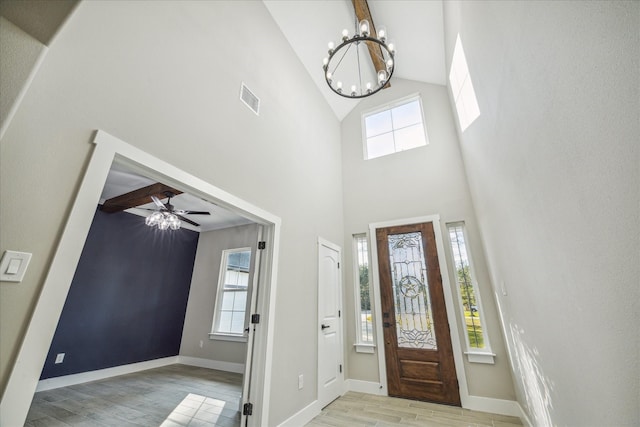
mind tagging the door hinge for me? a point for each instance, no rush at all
(262, 245)
(339, 313)
(338, 265)
(247, 409)
(255, 318)
(340, 368)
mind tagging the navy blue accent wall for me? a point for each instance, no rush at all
(128, 298)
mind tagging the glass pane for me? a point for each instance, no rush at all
(406, 115)
(366, 324)
(467, 290)
(410, 137)
(378, 123)
(240, 301)
(239, 260)
(225, 321)
(227, 300)
(414, 320)
(237, 323)
(380, 145)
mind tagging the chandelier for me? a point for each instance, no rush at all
(345, 66)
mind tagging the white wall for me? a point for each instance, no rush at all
(165, 77)
(203, 293)
(419, 182)
(553, 169)
(21, 54)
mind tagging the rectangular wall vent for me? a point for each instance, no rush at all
(250, 99)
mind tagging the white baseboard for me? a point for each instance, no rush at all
(303, 416)
(495, 406)
(360, 386)
(212, 364)
(100, 374)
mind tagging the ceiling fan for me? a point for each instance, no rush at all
(153, 193)
(167, 216)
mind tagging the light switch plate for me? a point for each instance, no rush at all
(13, 266)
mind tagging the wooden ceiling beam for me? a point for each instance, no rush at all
(138, 197)
(375, 51)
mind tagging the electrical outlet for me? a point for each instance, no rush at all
(300, 381)
(60, 358)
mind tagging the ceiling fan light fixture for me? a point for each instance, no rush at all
(153, 219)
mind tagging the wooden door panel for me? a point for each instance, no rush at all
(417, 370)
(419, 355)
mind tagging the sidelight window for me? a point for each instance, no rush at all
(469, 296)
(364, 322)
(232, 296)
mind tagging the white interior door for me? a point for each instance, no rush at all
(330, 348)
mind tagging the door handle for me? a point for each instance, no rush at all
(325, 327)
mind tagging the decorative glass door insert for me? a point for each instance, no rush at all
(410, 286)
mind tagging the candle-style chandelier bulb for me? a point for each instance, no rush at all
(382, 33)
(345, 35)
(331, 46)
(364, 28)
(353, 90)
(382, 76)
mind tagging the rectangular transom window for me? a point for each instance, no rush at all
(364, 322)
(229, 316)
(469, 296)
(395, 127)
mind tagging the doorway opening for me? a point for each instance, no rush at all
(108, 151)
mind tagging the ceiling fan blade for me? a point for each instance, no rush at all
(188, 220)
(158, 202)
(195, 213)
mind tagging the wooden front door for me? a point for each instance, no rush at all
(419, 357)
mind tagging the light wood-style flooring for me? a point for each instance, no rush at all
(171, 396)
(180, 395)
(360, 409)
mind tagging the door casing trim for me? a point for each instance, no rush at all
(25, 373)
(448, 299)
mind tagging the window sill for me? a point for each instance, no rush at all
(480, 357)
(227, 337)
(365, 348)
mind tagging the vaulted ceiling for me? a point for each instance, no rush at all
(416, 28)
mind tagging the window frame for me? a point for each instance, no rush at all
(360, 345)
(217, 310)
(474, 355)
(390, 106)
